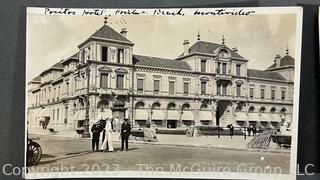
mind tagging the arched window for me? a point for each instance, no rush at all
(204, 106)
(140, 105)
(186, 107)
(103, 104)
(283, 110)
(156, 105)
(223, 53)
(238, 108)
(262, 109)
(273, 110)
(171, 106)
(251, 109)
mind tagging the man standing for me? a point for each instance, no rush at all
(231, 130)
(125, 133)
(96, 129)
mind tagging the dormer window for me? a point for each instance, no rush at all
(223, 53)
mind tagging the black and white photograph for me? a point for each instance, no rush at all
(171, 93)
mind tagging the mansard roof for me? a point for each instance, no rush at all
(209, 48)
(160, 62)
(253, 73)
(106, 32)
(286, 60)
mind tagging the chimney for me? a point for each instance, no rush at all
(186, 47)
(235, 49)
(123, 32)
(277, 60)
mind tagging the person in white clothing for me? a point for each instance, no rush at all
(108, 139)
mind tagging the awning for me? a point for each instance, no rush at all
(141, 114)
(173, 115)
(206, 116)
(187, 116)
(264, 117)
(241, 116)
(253, 117)
(157, 115)
(107, 113)
(275, 118)
(80, 115)
(44, 113)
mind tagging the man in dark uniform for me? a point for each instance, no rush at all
(125, 133)
(96, 129)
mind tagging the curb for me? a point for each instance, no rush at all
(182, 145)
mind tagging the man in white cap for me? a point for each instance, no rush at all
(108, 139)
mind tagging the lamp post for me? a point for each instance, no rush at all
(131, 92)
(86, 133)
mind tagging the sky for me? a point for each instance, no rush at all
(258, 37)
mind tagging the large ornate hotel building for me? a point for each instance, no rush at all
(208, 84)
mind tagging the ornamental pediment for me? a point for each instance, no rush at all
(105, 69)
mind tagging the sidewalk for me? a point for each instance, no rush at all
(224, 142)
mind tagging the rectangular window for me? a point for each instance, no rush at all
(120, 78)
(218, 68)
(156, 86)
(58, 114)
(262, 93)
(238, 90)
(140, 84)
(224, 89)
(58, 93)
(104, 81)
(238, 68)
(185, 88)
(251, 92)
(83, 56)
(66, 116)
(54, 94)
(203, 87)
(53, 113)
(67, 87)
(49, 95)
(273, 93)
(283, 95)
(120, 56)
(75, 84)
(219, 89)
(224, 68)
(171, 87)
(104, 54)
(203, 66)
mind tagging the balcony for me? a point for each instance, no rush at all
(239, 98)
(223, 76)
(224, 97)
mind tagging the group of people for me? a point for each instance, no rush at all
(252, 129)
(107, 132)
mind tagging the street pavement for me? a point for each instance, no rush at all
(224, 142)
(74, 154)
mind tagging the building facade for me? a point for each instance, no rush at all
(208, 84)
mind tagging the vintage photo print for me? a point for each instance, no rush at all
(171, 93)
